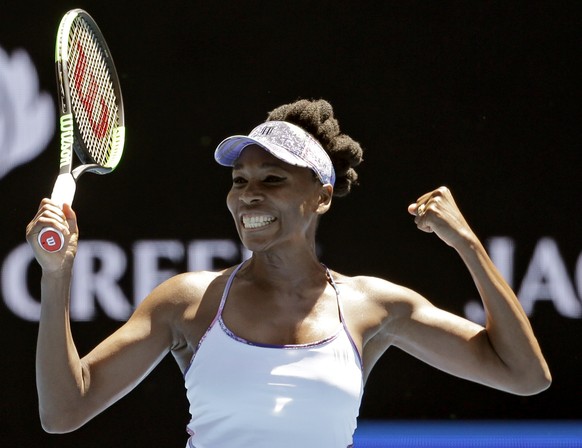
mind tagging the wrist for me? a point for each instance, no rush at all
(467, 242)
(64, 271)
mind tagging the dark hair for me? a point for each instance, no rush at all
(316, 117)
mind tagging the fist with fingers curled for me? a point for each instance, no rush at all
(437, 212)
(64, 220)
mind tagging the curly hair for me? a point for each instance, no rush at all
(317, 118)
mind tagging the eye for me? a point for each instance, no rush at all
(274, 179)
(238, 180)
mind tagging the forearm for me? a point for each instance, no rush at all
(508, 328)
(59, 374)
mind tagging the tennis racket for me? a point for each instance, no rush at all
(91, 110)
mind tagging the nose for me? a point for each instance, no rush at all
(251, 195)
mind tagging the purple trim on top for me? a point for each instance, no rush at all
(230, 334)
(343, 321)
(218, 314)
(218, 318)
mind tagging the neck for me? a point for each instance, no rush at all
(298, 268)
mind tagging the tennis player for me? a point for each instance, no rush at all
(275, 351)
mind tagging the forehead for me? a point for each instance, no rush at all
(255, 155)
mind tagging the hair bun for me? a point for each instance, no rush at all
(317, 118)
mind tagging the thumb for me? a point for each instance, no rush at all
(412, 208)
(68, 211)
(70, 216)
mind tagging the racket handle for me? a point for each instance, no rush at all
(49, 238)
(64, 189)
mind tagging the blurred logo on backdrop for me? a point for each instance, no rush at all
(27, 115)
(27, 124)
(101, 267)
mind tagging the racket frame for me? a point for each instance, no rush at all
(71, 140)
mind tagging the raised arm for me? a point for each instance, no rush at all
(508, 332)
(72, 390)
(505, 353)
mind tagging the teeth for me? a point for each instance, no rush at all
(253, 222)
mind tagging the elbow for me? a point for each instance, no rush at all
(543, 382)
(533, 389)
(51, 427)
(542, 379)
(54, 423)
(532, 383)
(54, 429)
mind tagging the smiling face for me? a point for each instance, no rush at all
(275, 204)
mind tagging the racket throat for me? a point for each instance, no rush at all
(90, 168)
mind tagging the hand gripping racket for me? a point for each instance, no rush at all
(91, 110)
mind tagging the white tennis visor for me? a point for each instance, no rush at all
(285, 141)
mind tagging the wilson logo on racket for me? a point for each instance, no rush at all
(67, 139)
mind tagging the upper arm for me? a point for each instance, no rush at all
(435, 336)
(121, 361)
(446, 341)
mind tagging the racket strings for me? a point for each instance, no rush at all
(93, 96)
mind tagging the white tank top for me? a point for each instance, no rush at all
(244, 394)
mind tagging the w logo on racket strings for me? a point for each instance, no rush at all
(87, 95)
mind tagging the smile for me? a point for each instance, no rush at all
(255, 222)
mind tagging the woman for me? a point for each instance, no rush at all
(275, 351)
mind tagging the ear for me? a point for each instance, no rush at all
(324, 201)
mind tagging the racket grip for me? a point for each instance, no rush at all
(64, 189)
(49, 238)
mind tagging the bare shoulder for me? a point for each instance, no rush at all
(375, 291)
(185, 305)
(183, 297)
(373, 308)
(375, 303)
(183, 289)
